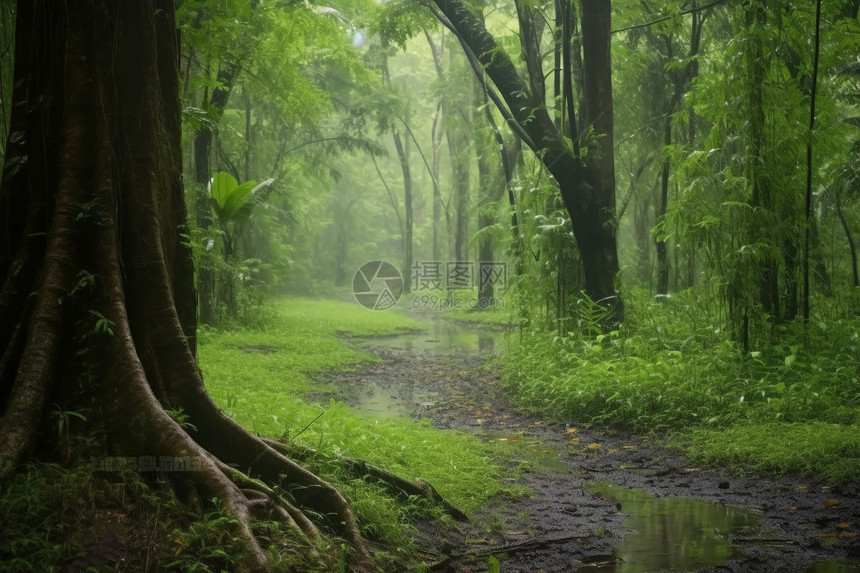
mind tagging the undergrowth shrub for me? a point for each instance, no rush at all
(671, 366)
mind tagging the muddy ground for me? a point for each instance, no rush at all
(566, 523)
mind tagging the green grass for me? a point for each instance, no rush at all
(669, 367)
(265, 389)
(829, 451)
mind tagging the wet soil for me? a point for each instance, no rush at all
(574, 519)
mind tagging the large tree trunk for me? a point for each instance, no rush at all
(588, 188)
(95, 263)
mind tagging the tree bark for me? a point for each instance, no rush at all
(96, 264)
(588, 189)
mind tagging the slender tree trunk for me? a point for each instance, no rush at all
(850, 238)
(206, 280)
(808, 211)
(762, 196)
(458, 125)
(662, 254)
(436, 139)
(407, 198)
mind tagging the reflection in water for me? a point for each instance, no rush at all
(673, 534)
(528, 449)
(440, 336)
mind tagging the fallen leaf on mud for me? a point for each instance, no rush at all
(612, 451)
(843, 525)
(479, 420)
(790, 507)
(594, 447)
(847, 534)
(831, 502)
(629, 447)
(801, 488)
(571, 430)
(574, 440)
(538, 423)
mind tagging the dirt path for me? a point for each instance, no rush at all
(572, 522)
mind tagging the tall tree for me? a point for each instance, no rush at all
(96, 269)
(582, 164)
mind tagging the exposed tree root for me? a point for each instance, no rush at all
(98, 279)
(361, 469)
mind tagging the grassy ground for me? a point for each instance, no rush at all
(789, 406)
(261, 378)
(124, 520)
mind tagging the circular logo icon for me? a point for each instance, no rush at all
(377, 285)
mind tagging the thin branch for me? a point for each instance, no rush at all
(479, 72)
(669, 17)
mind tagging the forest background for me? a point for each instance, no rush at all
(672, 190)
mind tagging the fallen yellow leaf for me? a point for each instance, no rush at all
(843, 525)
(790, 507)
(574, 440)
(847, 534)
(594, 447)
(571, 430)
(831, 502)
(612, 451)
(801, 488)
(629, 447)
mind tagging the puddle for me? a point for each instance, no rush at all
(398, 399)
(376, 400)
(835, 566)
(528, 449)
(672, 534)
(440, 337)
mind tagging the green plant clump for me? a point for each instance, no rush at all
(260, 377)
(670, 367)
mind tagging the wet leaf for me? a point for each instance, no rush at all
(612, 451)
(790, 507)
(571, 430)
(831, 502)
(574, 440)
(594, 447)
(629, 447)
(847, 534)
(801, 488)
(843, 525)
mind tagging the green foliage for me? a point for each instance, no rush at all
(208, 544)
(260, 378)
(671, 368)
(813, 449)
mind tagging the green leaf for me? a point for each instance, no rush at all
(229, 197)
